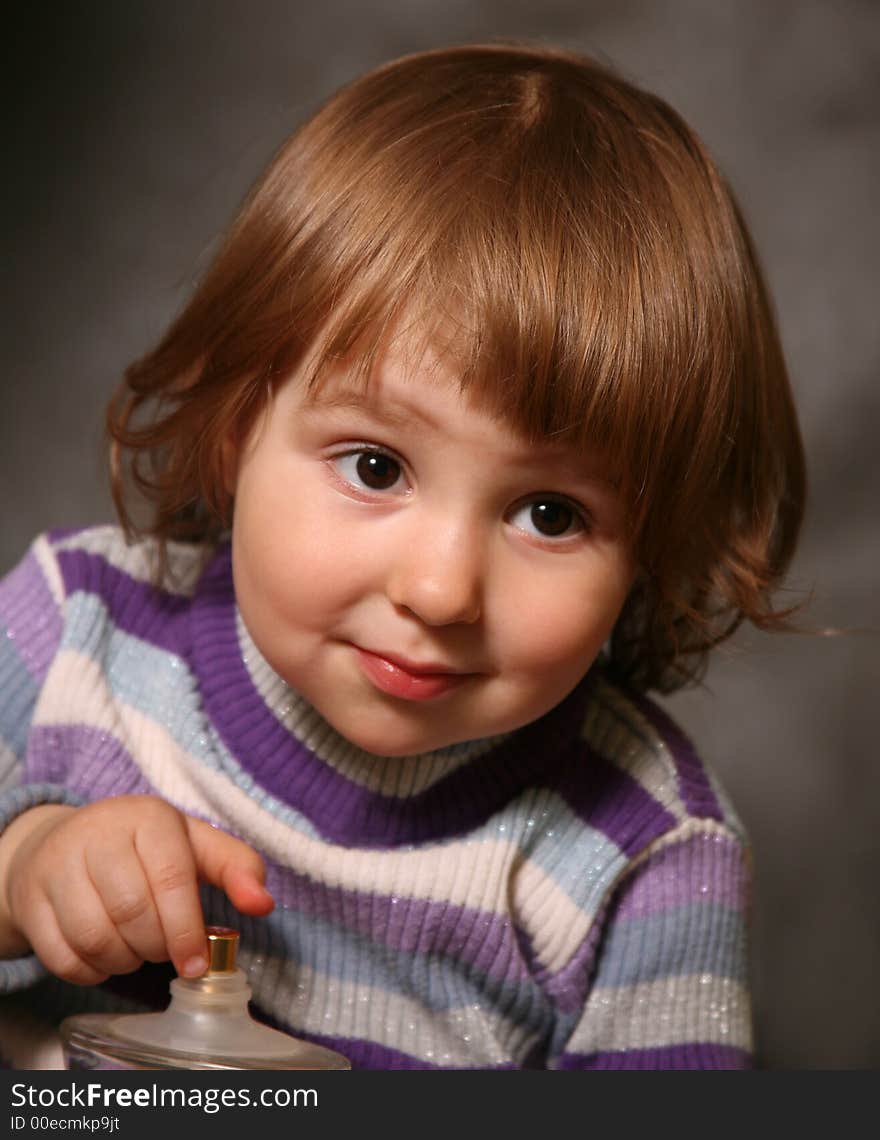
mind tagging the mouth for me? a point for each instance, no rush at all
(409, 680)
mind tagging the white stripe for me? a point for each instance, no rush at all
(45, 557)
(691, 828)
(694, 1008)
(139, 560)
(557, 926)
(619, 732)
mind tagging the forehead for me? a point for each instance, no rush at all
(407, 379)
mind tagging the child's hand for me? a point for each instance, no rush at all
(98, 890)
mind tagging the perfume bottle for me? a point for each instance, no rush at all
(206, 1026)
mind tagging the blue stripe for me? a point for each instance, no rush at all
(18, 695)
(700, 938)
(581, 860)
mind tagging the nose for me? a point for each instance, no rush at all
(438, 575)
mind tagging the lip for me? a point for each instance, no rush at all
(405, 679)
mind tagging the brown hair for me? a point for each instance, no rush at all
(600, 284)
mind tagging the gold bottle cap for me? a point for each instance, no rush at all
(222, 949)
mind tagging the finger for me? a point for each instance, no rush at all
(232, 865)
(53, 949)
(86, 926)
(163, 847)
(119, 879)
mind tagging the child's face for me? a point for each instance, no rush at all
(414, 568)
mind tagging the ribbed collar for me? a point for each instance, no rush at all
(351, 796)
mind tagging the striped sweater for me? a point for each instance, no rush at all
(572, 895)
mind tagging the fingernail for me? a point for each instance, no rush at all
(195, 967)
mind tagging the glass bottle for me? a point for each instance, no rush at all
(206, 1026)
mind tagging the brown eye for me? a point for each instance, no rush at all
(551, 518)
(377, 471)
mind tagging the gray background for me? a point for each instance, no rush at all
(134, 128)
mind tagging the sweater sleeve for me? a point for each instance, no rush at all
(670, 987)
(30, 633)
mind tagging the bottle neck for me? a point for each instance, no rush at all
(226, 993)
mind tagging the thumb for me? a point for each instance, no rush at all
(230, 864)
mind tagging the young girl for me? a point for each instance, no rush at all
(476, 431)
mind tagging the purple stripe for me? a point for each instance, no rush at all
(366, 1054)
(703, 868)
(486, 943)
(613, 802)
(30, 616)
(88, 761)
(696, 1055)
(693, 784)
(137, 608)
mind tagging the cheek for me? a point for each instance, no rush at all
(567, 625)
(555, 641)
(289, 563)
